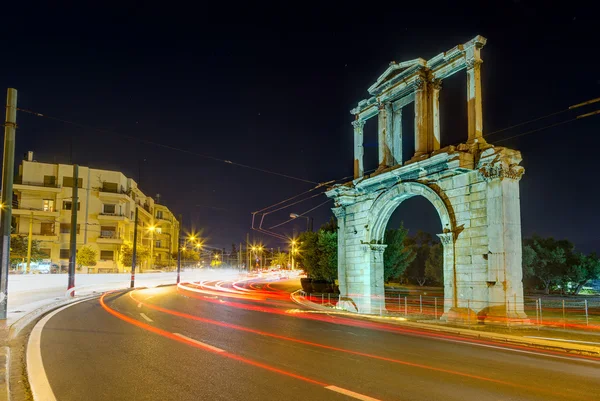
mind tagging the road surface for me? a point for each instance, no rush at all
(173, 344)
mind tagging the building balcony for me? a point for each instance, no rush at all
(45, 237)
(20, 185)
(112, 217)
(20, 211)
(145, 210)
(39, 236)
(109, 237)
(113, 195)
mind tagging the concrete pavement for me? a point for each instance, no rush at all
(269, 354)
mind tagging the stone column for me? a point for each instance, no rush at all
(389, 137)
(397, 136)
(421, 122)
(450, 291)
(340, 214)
(359, 151)
(436, 85)
(505, 265)
(384, 137)
(474, 107)
(374, 301)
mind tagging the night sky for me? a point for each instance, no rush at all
(271, 87)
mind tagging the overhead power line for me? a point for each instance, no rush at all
(162, 145)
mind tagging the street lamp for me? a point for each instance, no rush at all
(309, 220)
(293, 251)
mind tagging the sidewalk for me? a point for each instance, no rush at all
(554, 339)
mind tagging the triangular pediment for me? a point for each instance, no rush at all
(393, 71)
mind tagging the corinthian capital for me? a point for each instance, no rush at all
(358, 124)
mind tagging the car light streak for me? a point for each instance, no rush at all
(343, 350)
(217, 351)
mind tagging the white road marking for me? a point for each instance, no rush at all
(567, 341)
(146, 317)
(38, 381)
(351, 393)
(200, 343)
(140, 305)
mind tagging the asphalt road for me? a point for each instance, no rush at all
(255, 350)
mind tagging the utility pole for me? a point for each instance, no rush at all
(73, 238)
(248, 251)
(8, 173)
(133, 253)
(240, 257)
(179, 250)
(29, 243)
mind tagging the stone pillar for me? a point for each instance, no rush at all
(373, 295)
(340, 214)
(389, 137)
(384, 137)
(397, 135)
(421, 122)
(450, 291)
(474, 106)
(505, 265)
(359, 151)
(436, 85)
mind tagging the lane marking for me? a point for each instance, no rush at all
(140, 305)
(200, 343)
(351, 393)
(146, 317)
(561, 339)
(38, 380)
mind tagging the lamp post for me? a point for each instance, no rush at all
(309, 220)
(293, 251)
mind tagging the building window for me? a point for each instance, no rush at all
(47, 229)
(45, 252)
(68, 182)
(131, 215)
(159, 214)
(49, 181)
(159, 230)
(65, 228)
(107, 255)
(48, 205)
(158, 243)
(64, 254)
(68, 205)
(110, 209)
(108, 232)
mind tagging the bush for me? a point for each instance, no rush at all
(306, 284)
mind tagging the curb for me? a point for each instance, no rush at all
(20, 324)
(502, 338)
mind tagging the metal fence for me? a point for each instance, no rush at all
(567, 313)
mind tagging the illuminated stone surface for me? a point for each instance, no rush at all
(473, 186)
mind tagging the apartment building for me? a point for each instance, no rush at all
(105, 214)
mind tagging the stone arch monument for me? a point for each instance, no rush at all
(474, 186)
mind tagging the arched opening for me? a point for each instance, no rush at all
(413, 259)
(423, 209)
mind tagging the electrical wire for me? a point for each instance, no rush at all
(162, 145)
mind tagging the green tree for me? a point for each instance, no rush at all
(308, 253)
(546, 260)
(421, 245)
(585, 268)
(397, 256)
(280, 258)
(327, 244)
(18, 250)
(142, 254)
(86, 257)
(434, 265)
